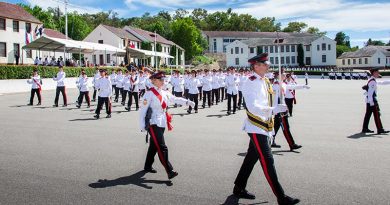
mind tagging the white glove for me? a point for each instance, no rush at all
(306, 86)
(190, 103)
(279, 108)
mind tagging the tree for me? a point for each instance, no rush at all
(374, 43)
(301, 55)
(180, 13)
(314, 30)
(341, 38)
(268, 24)
(186, 35)
(198, 17)
(295, 27)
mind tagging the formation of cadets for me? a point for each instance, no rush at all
(267, 98)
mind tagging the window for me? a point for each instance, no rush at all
(252, 50)
(3, 49)
(349, 61)
(231, 51)
(329, 47)
(276, 60)
(29, 53)
(360, 61)
(271, 49)
(365, 60)
(318, 47)
(282, 48)
(288, 60)
(353, 61)
(266, 49)
(324, 46)
(226, 40)
(124, 43)
(292, 48)
(16, 26)
(100, 41)
(292, 59)
(276, 49)
(307, 48)
(308, 61)
(224, 49)
(94, 59)
(282, 60)
(237, 50)
(242, 50)
(108, 58)
(2, 24)
(237, 61)
(28, 27)
(343, 61)
(271, 60)
(215, 45)
(379, 60)
(287, 48)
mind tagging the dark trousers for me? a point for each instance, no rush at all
(194, 98)
(141, 93)
(38, 92)
(240, 99)
(259, 149)
(289, 103)
(369, 111)
(200, 93)
(94, 94)
(186, 94)
(215, 95)
(101, 101)
(282, 121)
(82, 95)
(157, 145)
(207, 94)
(222, 92)
(113, 88)
(229, 102)
(63, 92)
(178, 94)
(124, 95)
(117, 92)
(306, 81)
(131, 96)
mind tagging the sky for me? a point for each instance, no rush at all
(359, 19)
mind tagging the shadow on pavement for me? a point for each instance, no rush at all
(362, 135)
(278, 152)
(218, 116)
(180, 114)
(20, 106)
(84, 119)
(135, 179)
(232, 200)
(242, 154)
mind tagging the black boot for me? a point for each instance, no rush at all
(286, 200)
(242, 193)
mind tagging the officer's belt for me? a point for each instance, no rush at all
(267, 125)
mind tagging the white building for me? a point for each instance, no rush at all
(365, 58)
(117, 37)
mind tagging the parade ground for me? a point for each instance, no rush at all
(64, 156)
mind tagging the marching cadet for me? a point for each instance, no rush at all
(95, 78)
(306, 78)
(36, 87)
(372, 105)
(157, 100)
(134, 90)
(257, 91)
(232, 81)
(177, 82)
(126, 88)
(222, 85)
(119, 85)
(113, 79)
(193, 91)
(103, 84)
(142, 84)
(200, 75)
(60, 77)
(215, 86)
(186, 78)
(281, 119)
(289, 97)
(243, 78)
(82, 83)
(207, 88)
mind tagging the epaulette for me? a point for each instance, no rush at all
(252, 78)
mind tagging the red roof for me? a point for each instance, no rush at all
(54, 34)
(16, 12)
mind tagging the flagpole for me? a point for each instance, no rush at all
(280, 66)
(66, 19)
(155, 50)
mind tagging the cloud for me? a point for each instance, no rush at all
(174, 4)
(71, 7)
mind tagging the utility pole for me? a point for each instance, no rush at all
(66, 18)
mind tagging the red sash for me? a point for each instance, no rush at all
(164, 106)
(39, 85)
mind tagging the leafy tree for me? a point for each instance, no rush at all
(295, 27)
(314, 30)
(268, 24)
(341, 38)
(180, 13)
(198, 17)
(374, 43)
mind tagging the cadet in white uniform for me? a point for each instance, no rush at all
(103, 84)
(126, 88)
(154, 118)
(257, 91)
(215, 86)
(36, 87)
(193, 91)
(232, 81)
(222, 85)
(207, 88)
(243, 78)
(142, 84)
(113, 79)
(95, 78)
(119, 85)
(372, 105)
(60, 77)
(134, 90)
(82, 83)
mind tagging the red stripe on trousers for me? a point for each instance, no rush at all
(158, 149)
(376, 117)
(263, 162)
(285, 131)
